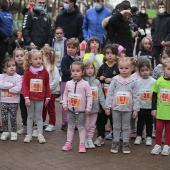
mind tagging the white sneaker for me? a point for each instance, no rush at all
(27, 138)
(166, 150)
(99, 141)
(41, 138)
(138, 140)
(50, 128)
(35, 133)
(90, 143)
(148, 141)
(4, 135)
(86, 144)
(156, 150)
(14, 136)
(22, 131)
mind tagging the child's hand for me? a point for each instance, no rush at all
(107, 112)
(87, 112)
(65, 108)
(108, 80)
(102, 78)
(153, 113)
(135, 114)
(28, 6)
(27, 102)
(46, 102)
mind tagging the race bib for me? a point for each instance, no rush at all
(74, 100)
(94, 92)
(122, 98)
(36, 85)
(146, 95)
(165, 95)
(57, 55)
(6, 93)
(105, 89)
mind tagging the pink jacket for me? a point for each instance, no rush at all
(78, 96)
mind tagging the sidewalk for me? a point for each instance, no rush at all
(17, 155)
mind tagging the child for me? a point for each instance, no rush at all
(54, 82)
(77, 101)
(105, 74)
(93, 52)
(160, 109)
(72, 50)
(29, 7)
(157, 72)
(145, 49)
(35, 87)
(122, 98)
(19, 60)
(10, 85)
(98, 98)
(144, 115)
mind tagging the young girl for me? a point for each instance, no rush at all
(144, 115)
(98, 98)
(19, 60)
(160, 109)
(35, 87)
(54, 82)
(77, 101)
(105, 74)
(72, 50)
(10, 86)
(122, 98)
(94, 52)
(29, 7)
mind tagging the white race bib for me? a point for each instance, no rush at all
(74, 100)
(36, 85)
(94, 92)
(122, 98)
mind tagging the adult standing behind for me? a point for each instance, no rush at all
(142, 18)
(71, 19)
(36, 28)
(92, 23)
(29, 7)
(160, 31)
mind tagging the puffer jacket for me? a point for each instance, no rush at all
(99, 98)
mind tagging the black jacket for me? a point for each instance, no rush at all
(72, 23)
(36, 28)
(142, 19)
(119, 33)
(160, 29)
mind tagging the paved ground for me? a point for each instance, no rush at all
(16, 155)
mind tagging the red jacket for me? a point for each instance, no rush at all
(36, 86)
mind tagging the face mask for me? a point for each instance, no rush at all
(161, 10)
(39, 8)
(97, 6)
(143, 11)
(66, 6)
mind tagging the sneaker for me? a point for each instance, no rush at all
(4, 135)
(148, 141)
(156, 150)
(82, 148)
(166, 150)
(67, 146)
(27, 138)
(133, 135)
(109, 129)
(110, 136)
(153, 134)
(14, 135)
(115, 147)
(86, 144)
(35, 133)
(126, 148)
(41, 138)
(143, 135)
(90, 143)
(64, 127)
(58, 99)
(22, 131)
(138, 140)
(50, 128)
(44, 125)
(99, 141)
(60, 102)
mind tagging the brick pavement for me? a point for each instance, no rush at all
(16, 155)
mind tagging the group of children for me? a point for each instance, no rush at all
(94, 88)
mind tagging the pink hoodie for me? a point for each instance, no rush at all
(78, 96)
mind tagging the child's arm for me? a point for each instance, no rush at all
(25, 84)
(64, 69)
(65, 98)
(89, 98)
(101, 96)
(5, 84)
(17, 88)
(55, 77)
(154, 104)
(47, 89)
(100, 76)
(99, 61)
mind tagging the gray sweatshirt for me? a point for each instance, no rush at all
(145, 92)
(123, 94)
(98, 95)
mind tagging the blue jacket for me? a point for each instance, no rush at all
(92, 23)
(6, 21)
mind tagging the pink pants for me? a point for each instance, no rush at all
(51, 110)
(160, 124)
(64, 113)
(90, 125)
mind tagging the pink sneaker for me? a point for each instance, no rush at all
(82, 148)
(67, 146)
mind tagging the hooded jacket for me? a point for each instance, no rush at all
(142, 19)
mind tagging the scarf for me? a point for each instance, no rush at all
(36, 70)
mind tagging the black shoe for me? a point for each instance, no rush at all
(1, 130)
(64, 127)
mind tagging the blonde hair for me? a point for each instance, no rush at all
(127, 60)
(88, 49)
(88, 63)
(165, 62)
(28, 56)
(142, 43)
(50, 51)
